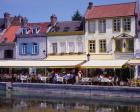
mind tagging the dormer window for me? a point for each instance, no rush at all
(35, 30)
(25, 30)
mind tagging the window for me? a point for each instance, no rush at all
(118, 43)
(23, 49)
(130, 45)
(54, 48)
(35, 30)
(80, 47)
(91, 26)
(71, 47)
(25, 30)
(102, 26)
(102, 44)
(63, 47)
(35, 48)
(91, 45)
(116, 25)
(8, 54)
(126, 44)
(127, 24)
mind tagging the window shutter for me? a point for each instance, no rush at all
(29, 48)
(37, 48)
(20, 49)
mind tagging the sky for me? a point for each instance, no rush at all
(41, 10)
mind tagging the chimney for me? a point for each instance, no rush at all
(90, 5)
(6, 20)
(53, 19)
(24, 21)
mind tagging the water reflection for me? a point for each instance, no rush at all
(23, 104)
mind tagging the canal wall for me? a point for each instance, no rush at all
(5, 85)
(78, 90)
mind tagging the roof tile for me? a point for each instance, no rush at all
(114, 10)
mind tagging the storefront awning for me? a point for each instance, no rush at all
(134, 62)
(49, 64)
(104, 64)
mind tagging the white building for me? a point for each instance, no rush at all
(111, 31)
(65, 39)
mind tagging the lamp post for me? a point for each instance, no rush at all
(88, 59)
(44, 52)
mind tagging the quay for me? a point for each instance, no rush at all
(73, 90)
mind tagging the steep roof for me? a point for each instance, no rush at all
(68, 26)
(43, 26)
(109, 11)
(9, 35)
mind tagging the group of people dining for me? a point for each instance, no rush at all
(54, 77)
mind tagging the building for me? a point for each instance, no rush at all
(65, 39)
(31, 41)
(110, 32)
(8, 27)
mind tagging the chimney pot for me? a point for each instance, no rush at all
(53, 19)
(90, 5)
(6, 20)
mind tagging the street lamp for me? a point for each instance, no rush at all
(44, 52)
(88, 57)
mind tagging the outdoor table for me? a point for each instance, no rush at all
(43, 78)
(23, 78)
(60, 79)
(86, 80)
(105, 80)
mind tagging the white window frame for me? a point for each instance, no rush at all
(34, 48)
(116, 25)
(71, 47)
(56, 49)
(36, 29)
(91, 26)
(127, 24)
(91, 46)
(63, 47)
(102, 46)
(24, 48)
(25, 30)
(102, 26)
(80, 47)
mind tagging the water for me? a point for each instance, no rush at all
(19, 102)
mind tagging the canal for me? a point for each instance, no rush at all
(13, 101)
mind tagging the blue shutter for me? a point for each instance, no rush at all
(29, 48)
(37, 48)
(20, 48)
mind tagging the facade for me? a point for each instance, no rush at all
(8, 27)
(7, 51)
(65, 39)
(31, 42)
(111, 31)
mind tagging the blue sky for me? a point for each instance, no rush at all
(41, 10)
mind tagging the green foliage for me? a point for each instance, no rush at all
(77, 16)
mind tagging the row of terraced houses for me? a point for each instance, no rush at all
(107, 37)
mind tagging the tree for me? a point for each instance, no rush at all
(77, 16)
